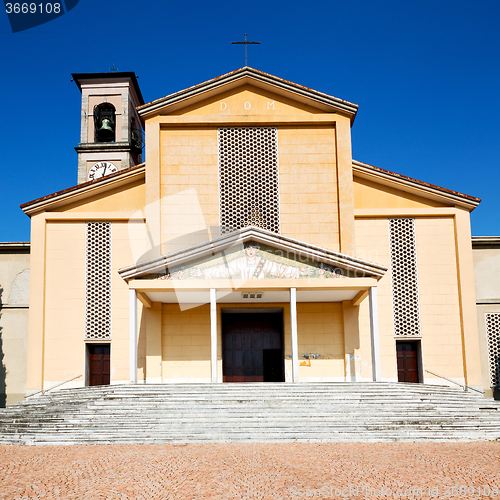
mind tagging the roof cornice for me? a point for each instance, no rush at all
(252, 74)
(90, 188)
(15, 246)
(486, 242)
(212, 247)
(425, 189)
(92, 78)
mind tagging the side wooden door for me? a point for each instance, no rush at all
(408, 361)
(99, 364)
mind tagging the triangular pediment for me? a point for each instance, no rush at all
(253, 253)
(247, 99)
(247, 91)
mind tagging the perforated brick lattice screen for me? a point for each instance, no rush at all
(493, 335)
(404, 273)
(98, 281)
(248, 178)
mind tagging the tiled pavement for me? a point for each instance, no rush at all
(251, 471)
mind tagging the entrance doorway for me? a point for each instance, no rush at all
(408, 358)
(252, 347)
(98, 364)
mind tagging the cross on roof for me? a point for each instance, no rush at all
(246, 44)
(113, 68)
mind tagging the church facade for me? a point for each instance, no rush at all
(246, 246)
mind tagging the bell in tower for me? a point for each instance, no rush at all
(111, 130)
(104, 122)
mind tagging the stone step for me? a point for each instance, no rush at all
(225, 397)
(272, 436)
(252, 397)
(269, 404)
(231, 416)
(397, 427)
(362, 387)
(359, 411)
(275, 403)
(341, 412)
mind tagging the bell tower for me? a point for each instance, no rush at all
(111, 136)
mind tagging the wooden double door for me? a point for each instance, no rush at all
(252, 347)
(408, 358)
(99, 364)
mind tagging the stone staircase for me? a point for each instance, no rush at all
(257, 412)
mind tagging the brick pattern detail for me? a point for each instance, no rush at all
(98, 281)
(405, 301)
(493, 336)
(252, 470)
(248, 178)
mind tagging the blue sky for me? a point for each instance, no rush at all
(424, 74)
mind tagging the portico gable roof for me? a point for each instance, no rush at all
(290, 246)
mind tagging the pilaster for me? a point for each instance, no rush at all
(153, 181)
(345, 190)
(36, 343)
(467, 299)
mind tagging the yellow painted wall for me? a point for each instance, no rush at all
(320, 330)
(185, 344)
(129, 198)
(186, 341)
(188, 165)
(122, 256)
(57, 316)
(34, 380)
(189, 183)
(64, 323)
(308, 185)
(247, 100)
(438, 295)
(439, 305)
(372, 244)
(368, 194)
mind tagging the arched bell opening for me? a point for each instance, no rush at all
(136, 137)
(105, 122)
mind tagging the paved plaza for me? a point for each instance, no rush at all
(251, 471)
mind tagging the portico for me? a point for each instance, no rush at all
(325, 281)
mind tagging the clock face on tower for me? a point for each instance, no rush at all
(100, 169)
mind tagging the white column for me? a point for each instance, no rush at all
(295, 347)
(213, 334)
(133, 336)
(374, 334)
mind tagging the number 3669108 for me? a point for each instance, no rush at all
(33, 8)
